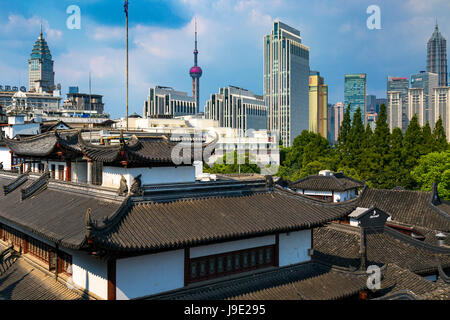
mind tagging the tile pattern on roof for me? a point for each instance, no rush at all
(337, 182)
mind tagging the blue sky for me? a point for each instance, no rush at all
(230, 42)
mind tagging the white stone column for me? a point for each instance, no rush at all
(89, 172)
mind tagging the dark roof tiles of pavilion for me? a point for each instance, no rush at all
(150, 225)
(156, 221)
(340, 245)
(413, 208)
(335, 182)
(143, 150)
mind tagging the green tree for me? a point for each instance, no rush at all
(396, 166)
(434, 167)
(379, 178)
(427, 140)
(224, 168)
(440, 139)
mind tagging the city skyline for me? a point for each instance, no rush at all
(228, 56)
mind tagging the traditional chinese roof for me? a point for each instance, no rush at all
(150, 150)
(340, 245)
(165, 218)
(336, 182)
(413, 208)
(54, 213)
(202, 219)
(22, 281)
(44, 145)
(53, 125)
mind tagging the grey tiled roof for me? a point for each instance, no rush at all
(413, 208)
(178, 223)
(340, 245)
(336, 182)
(22, 281)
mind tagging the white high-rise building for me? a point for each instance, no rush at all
(286, 82)
(441, 107)
(417, 105)
(395, 110)
(40, 67)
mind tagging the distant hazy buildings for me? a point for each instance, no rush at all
(355, 92)
(330, 123)
(371, 103)
(379, 102)
(338, 111)
(441, 106)
(40, 65)
(85, 102)
(286, 82)
(318, 104)
(165, 101)
(237, 108)
(437, 56)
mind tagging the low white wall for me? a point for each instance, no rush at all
(149, 274)
(79, 172)
(5, 157)
(155, 175)
(90, 273)
(231, 246)
(318, 193)
(293, 247)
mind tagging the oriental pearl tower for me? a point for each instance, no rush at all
(196, 72)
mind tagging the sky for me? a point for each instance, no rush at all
(230, 43)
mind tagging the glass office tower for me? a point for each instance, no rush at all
(355, 93)
(286, 82)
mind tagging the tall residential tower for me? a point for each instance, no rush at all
(437, 56)
(196, 72)
(286, 82)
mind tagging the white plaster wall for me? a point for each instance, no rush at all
(89, 273)
(79, 172)
(318, 193)
(22, 129)
(156, 175)
(231, 246)
(293, 247)
(149, 274)
(5, 157)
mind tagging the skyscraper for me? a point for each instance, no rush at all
(371, 103)
(40, 67)
(399, 85)
(318, 104)
(395, 107)
(196, 73)
(355, 93)
(426, 81)
(286, 82)
(437, 56)
(416, 105)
